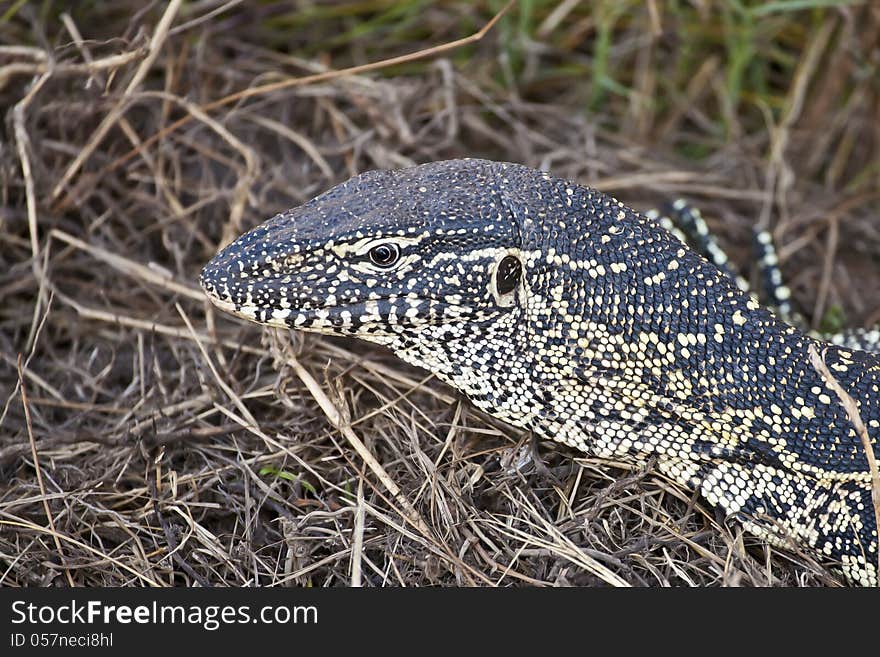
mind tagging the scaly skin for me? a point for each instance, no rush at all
(602, 331)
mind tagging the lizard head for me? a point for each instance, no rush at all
(380, 255)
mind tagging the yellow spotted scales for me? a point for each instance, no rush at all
(556, 308)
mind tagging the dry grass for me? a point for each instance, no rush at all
(146, 440)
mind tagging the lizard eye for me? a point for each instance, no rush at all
(384, 255)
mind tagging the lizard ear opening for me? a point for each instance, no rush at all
(506, 280)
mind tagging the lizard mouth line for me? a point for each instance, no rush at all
(305, 314)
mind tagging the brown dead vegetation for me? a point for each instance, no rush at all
(147, 440)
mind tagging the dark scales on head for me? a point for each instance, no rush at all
(556, 308)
